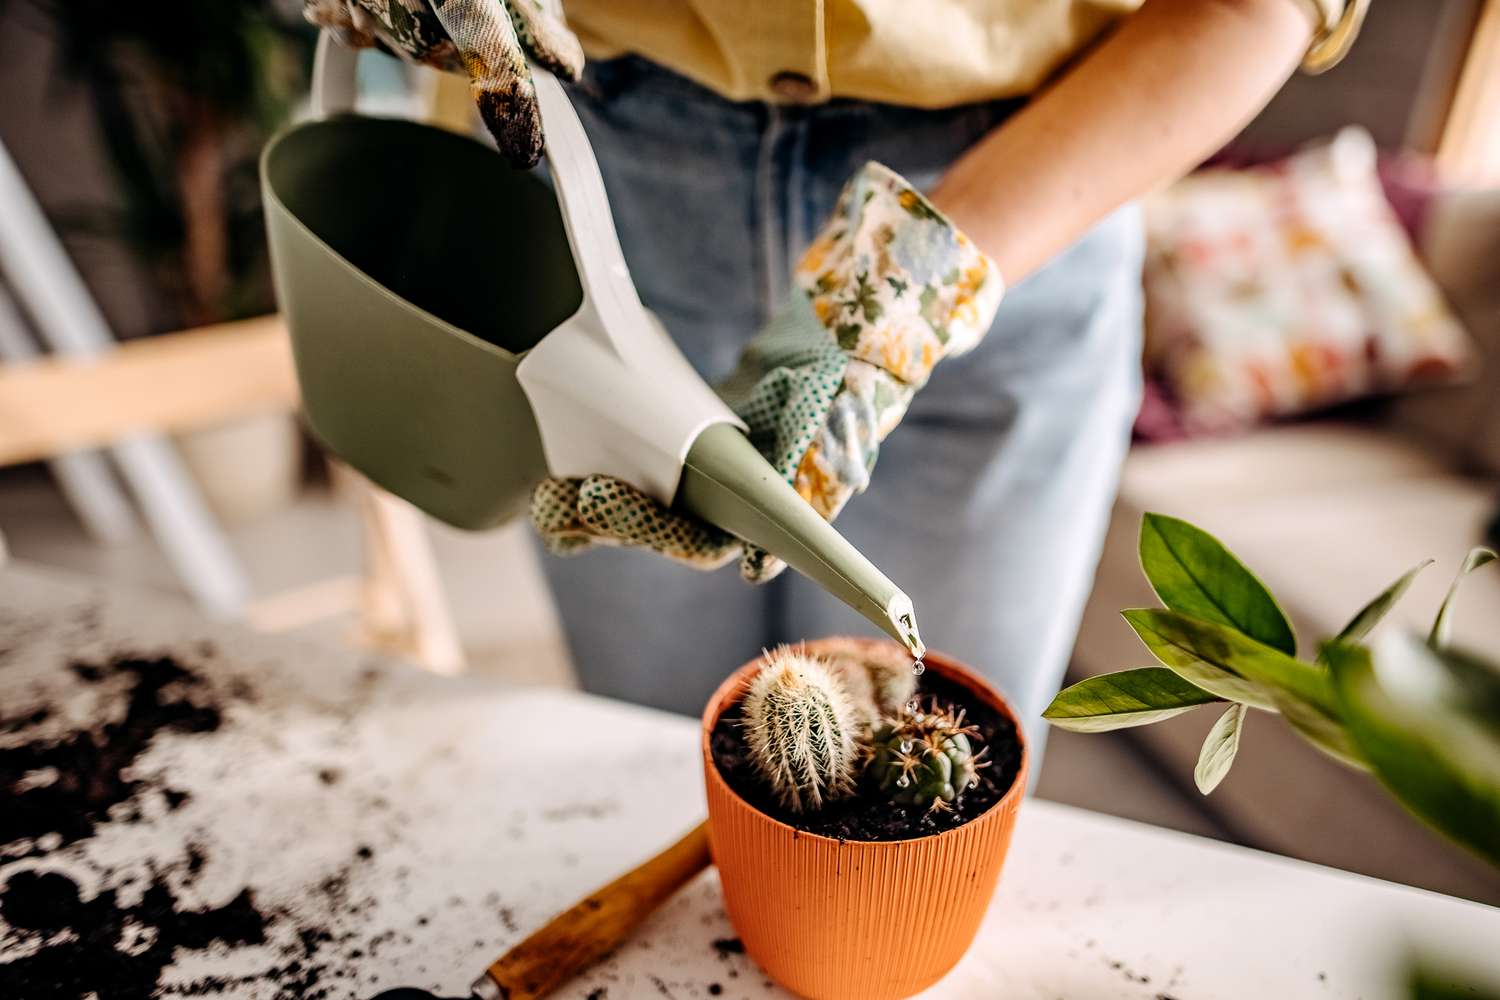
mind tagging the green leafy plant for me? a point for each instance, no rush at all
(802, 729)
(926, 758)
(1422, 717)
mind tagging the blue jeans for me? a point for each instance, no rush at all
(989, 502)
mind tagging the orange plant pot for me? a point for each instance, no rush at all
(855, 920)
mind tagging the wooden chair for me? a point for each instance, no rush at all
(94, 393)
(53, 406)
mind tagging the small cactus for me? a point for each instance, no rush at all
(878, 675)
(926, 758)
(802, 728)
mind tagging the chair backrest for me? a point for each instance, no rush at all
(174, 382)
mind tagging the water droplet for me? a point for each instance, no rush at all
(902, 781)
(917, 667)
(973, 783)
(906, 746)
(911, 707)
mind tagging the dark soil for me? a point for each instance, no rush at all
(99, 946)
(106, 944)
(90, 765)
(869, 814)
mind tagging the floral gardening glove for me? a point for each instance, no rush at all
(888, 289)
(489, 40)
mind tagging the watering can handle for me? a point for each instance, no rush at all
(335, 82)
(585, 207)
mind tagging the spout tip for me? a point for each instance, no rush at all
(903, 618)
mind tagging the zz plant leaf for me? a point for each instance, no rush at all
(1219, 748)
(1184, 644)
(1425, 719)
(1193, 573)
(1476, 558)
(1370, 615)
(1324, 733)
(1438, 760)
(1125, 698)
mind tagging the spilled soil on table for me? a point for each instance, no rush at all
(61, 941)
(869, 814)
(87, 768)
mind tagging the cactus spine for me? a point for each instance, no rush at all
(802, 727)
(927, 758)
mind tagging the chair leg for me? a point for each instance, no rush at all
(403, 608)
(42, 276)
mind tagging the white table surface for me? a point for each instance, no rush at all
(487, 808)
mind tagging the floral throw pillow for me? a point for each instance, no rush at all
(1289, 288)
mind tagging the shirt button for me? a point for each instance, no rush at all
(794, 87)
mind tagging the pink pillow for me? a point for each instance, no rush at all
(1289, 288)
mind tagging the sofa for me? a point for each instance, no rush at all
(1327, 511)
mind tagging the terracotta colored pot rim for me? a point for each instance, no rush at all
(733, 688)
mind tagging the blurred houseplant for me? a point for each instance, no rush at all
(183, 99)
(1423, 717)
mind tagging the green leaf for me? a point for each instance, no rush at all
(1476, 558)
(1438, 760)
(1219, 748)
(1192, 572)
(1370, 615)
(1187, 645)
(1325, 734)
(1124, 698)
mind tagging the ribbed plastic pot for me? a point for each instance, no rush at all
(853, 920)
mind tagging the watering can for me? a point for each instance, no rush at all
(462, 330)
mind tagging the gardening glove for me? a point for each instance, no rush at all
(489, 40)
(888, 289)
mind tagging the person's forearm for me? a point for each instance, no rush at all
(1175, 81)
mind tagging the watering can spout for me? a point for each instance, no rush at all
(726, 482)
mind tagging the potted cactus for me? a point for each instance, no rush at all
(859, 817)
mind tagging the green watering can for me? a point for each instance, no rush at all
(461, 331)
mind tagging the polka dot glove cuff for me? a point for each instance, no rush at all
(488, 40)
(888, 289)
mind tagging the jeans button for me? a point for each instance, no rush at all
(794, 87)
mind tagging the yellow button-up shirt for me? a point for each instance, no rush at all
(920, 53)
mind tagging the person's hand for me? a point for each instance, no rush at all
(888, 289)
(488, 40)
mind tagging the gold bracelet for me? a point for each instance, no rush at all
(1330, 45)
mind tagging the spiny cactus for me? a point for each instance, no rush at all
(802, 728)
(927, 758)
(878, 676)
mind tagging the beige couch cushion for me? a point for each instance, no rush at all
(1327, 514)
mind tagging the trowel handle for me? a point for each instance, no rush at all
(595, 925)
(726, 482)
